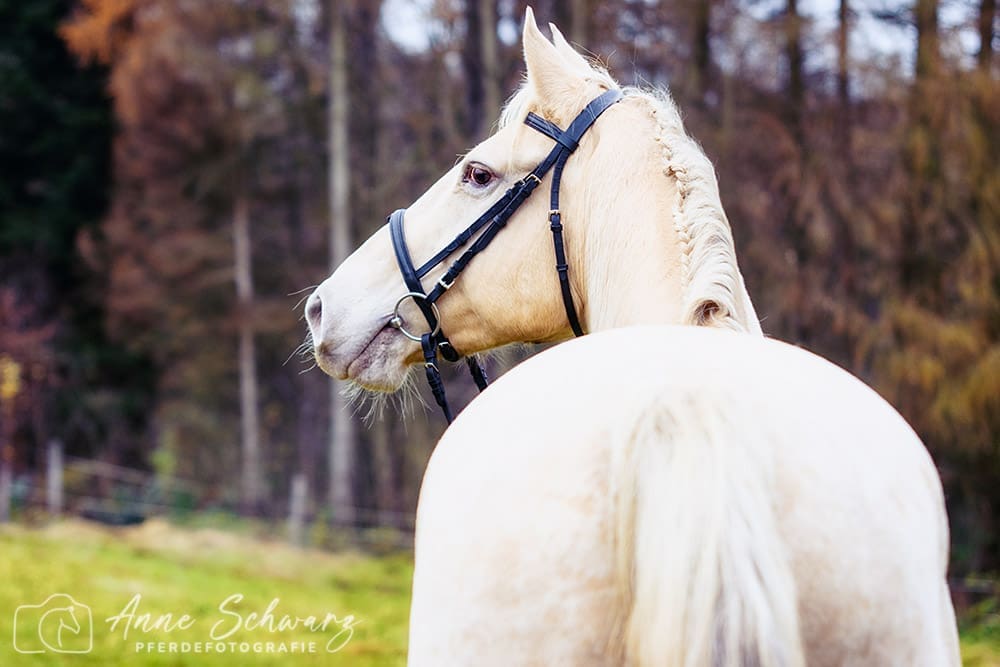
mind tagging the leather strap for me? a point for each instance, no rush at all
(524, 188)
(405, 262)
(469, 231)
(489, 224)
(413, 284)
(477, 372)
(434, 375)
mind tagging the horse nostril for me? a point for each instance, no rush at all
(314, 311)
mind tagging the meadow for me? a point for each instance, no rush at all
(198, 571)
(189, 571)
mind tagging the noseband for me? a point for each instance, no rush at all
(493, 220)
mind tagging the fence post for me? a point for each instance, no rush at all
(297, 509)
(54, 478)
(6, 485)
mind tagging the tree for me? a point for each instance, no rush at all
(342, 432)
(987, 32)
(491, 67)
(928, 40)
(251, 483)
(843, 78)
(579, 22)
(25, 371)
(55, 173)
(701, 48)
(472, 64)
(794, 61)
(203, 94)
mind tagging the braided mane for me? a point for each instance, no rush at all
(714, 292)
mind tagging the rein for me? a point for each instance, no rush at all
(493, 220)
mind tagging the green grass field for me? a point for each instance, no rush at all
(980, 629)
(194, 570)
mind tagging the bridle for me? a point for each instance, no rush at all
(490, 222)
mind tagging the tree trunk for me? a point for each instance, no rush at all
(54, 478)
(6, 481)
(987, 17)
(312, 407)
(579, 27)
(919, 256)
(796, 78)
(363, 128)
(491, 65)
(384, 471)
(252, 488)
(559, 12)
(928, 49)
(298, 498)
(701, 61)
(843, 78)
(342, 431)
(472, 63)
(794, 225)
(311, 386)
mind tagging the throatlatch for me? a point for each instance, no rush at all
(490, 223)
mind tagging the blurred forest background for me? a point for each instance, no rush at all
(174, 172)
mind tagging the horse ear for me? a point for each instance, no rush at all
(548, 72)
(569, 54)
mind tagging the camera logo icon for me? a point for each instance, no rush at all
(58, 625)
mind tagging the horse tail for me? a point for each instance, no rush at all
(704, 574)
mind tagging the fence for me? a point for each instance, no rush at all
(118, 495)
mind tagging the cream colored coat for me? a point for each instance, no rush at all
(758, 447)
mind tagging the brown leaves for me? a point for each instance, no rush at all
(99, 29)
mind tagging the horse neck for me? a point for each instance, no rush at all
(633, 271)
(637, 254)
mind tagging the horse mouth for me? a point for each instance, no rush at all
(340, 366)
(378, 361)
(377, 366)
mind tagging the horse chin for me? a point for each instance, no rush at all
(378, 380)
(381, 367)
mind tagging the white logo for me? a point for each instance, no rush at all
(60, 625)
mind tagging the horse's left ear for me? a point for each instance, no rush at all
(569, 54)
(549, 73)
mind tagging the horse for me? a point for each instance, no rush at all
(652, 492)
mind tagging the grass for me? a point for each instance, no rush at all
(191, 569)
(980, 628)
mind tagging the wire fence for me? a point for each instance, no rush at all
(118, 495)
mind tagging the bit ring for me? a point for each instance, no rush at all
(397, 320)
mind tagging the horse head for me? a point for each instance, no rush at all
(616, 262)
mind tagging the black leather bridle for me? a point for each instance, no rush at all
(490, 222)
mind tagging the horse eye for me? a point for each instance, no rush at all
(477, 174)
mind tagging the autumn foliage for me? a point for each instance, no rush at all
(863, 190)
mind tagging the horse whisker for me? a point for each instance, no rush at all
(304, 289)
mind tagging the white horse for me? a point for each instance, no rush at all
(647, 495)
